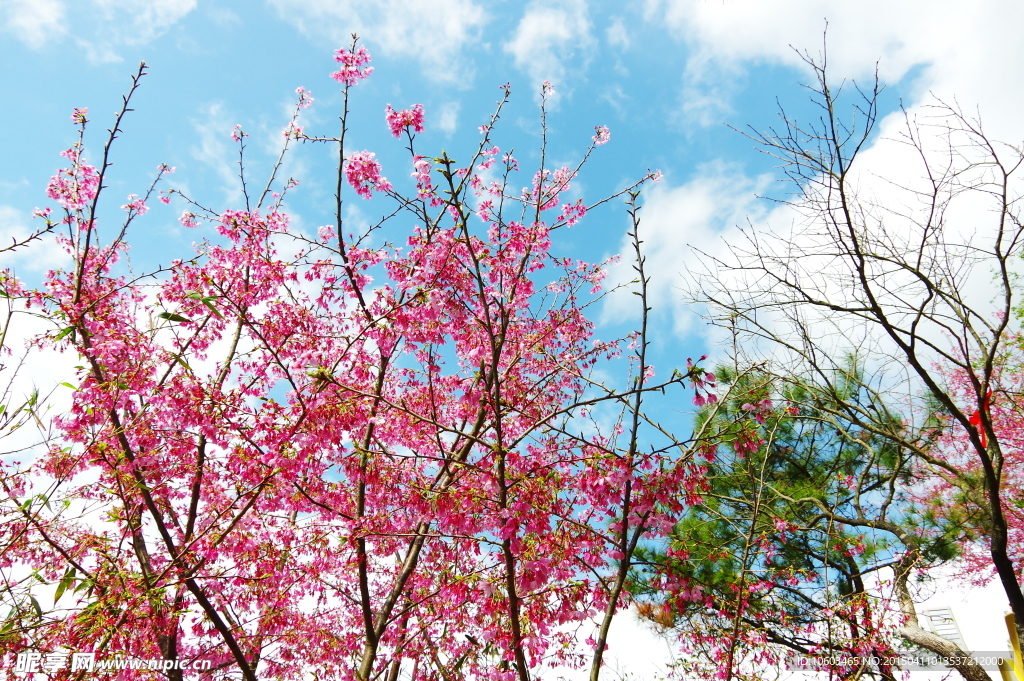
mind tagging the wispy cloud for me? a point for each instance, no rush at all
(448, 117)
(137, 22)
(618, 99)
(213, 129)
(960, 53)
(549, 37)
(617, 34)
(36, 257)
(34, 22)
(433, 32)
(101, 26)
(702, 213)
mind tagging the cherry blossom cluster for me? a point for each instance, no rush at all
(354, 67)
(293, 130)
(572, 213)
(362, 170)
(305, 97)
(74, 187)
(701, 380)
(135, 205)
(334, 450)
(188, 219)
(399, 121)
(943, 496)
(424, 185)
(547, 186)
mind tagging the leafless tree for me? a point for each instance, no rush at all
(898, 276)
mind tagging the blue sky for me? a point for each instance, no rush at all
(668, 77)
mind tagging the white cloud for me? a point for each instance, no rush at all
(99, 52)
(617, 35)
(30, 369)
(35, 22)
(129, 22)
(137, 22)
(708, 90)
(549, 35)
(27, 368)
(101, 26)
(702, 213)
(448, 117)
(618, 99)
(36, 256)
(744, 30)
(959, 55)
(431, 31)
(224, 17)
(214, 132)
(890, 203)
(967, 54)
(635, 650)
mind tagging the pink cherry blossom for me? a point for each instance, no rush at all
(399, 121)
(572, 212)
(305, 97)
(347, 448)
(363, 172)
(188, 219)
(135, 205)
(353, 65)
(74, 187)
(424, 187)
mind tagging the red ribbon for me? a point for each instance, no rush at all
(975, 420)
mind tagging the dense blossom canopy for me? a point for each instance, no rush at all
(307, 453)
